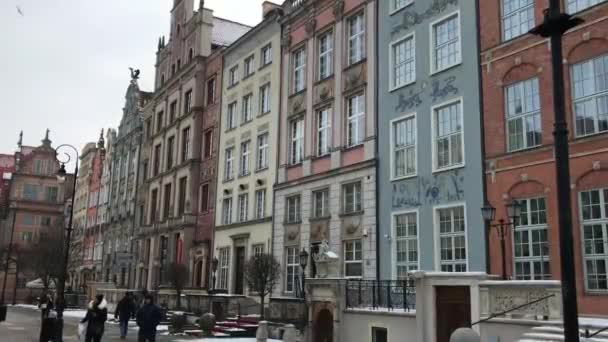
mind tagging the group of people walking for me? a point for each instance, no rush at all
(147, 316)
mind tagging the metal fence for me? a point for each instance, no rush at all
(381, 294)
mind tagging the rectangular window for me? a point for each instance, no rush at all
(45, 221)
(404, 147)
(399, 4)
(258, 249)
(249, 66)
(265, 99)
(30, 192)
(243, 205)
(356, 39)
(233, 76)
(403, 62)
(262, 158)
(229, 163)
(320, 203)
(40, 167)
(29, 220)
(446, 43)
(247, 114)
(156, 159)
(453, 252)
(260, 203)
(153, 206)
(227, 211)
(172, 111)
(406, 244)
(167, 201)
(353, 259)
(205, 198)
(356, 120)
(517, 18)
(523, 115)
(27, 236)
(299, 70)
(379, 334)
(183, 190)
(293, 213)
(594, 215)
(224, 268)
(292, 265)
(266, 55)
(530, 245)
(326, 55)
(448, 135)
(231, 118)
(245, 151)
(351, 198)
(159, 121)
(208, 144)
(296, 153)
(579, 5)
(211, 91)
(170, 147)
(185, 144)
(590, 93)
(51, 194)
(324, 131)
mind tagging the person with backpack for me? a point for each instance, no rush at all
(96, 317)
(125, 310)
(148, 318)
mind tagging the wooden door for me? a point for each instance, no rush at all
(239, 269)
(453, 310)
(324, 326)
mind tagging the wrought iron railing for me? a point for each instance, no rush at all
(381, 294)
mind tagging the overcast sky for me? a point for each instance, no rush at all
(64, 63)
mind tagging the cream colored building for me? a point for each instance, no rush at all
(247, 153)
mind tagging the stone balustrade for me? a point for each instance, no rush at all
(535, 299)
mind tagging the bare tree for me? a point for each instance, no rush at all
(178, 277)
(262, 273)
(43, 258)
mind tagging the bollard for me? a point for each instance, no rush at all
(262, 334)
(465, 335)
(289, 334)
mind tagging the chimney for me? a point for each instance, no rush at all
(268, 7)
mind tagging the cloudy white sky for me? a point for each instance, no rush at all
(64, 63)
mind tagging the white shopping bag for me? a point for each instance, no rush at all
(82, 329)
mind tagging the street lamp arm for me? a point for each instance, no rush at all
(67, 155)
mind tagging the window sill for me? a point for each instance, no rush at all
(263, 113)
(323, 156)
(248, 76)
(353, 147)
(398, 178)
(299, 92)
(439, 71)
(320, 218)
(363, 60)
(294, 165)
(449, 168)
(243, 123)
(242, 175)
(354, 213)
(230, 130)
(262, 169)
(324, 79)
(264, 66)
(227, 180)
(232, 85)
(393, 89)
(285, 223)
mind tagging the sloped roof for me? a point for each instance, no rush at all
(225, 32)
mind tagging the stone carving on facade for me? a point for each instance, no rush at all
(509, 298)
(338, 9)
(318, 231)
(355, 77)
(411, 18)
(311, 25)
(326, 261)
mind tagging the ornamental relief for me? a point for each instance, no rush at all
(292, 235)
(411, 18)
(297, 104)
(355, 77)
(319, 231)
(324, 91)
(352, 227)
(509, 298)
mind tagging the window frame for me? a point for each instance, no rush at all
(602, 221)
(394, 251)
(326, 56)
(350, 60)
(247, 109)
(434, 123)
(233, 76)
(265, 101)
(325, 130)
(346, 262)
(263, 62)
(584, 8)
(260, 206)
(391, 55)
(438, 235)
(229, 161)
(394, 9)
(243, 207)
(355, 207)
(231, 115)
(523, 116)
(296, 143)
(433, 48)
(297, 216)
(393, 150)
(262, 148)
(529, 229)
(294, 265)
(324, 200)
(224, 269)
(511, 14)
(586, 98)
(297, 69)
(358, 118)
(227, 210)
(249, 66)
(245, 158)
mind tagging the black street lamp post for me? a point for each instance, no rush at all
(554, 26)
(303, 263)
(214, 264)
(513, 211)
(3, 308)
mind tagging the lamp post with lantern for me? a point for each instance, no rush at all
(303, 263)
(513, 211)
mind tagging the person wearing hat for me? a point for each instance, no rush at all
(148, 318)
(97, 314)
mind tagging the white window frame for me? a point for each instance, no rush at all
(260, 203)
(602, 222)
(394, 150)
(354, 259)
(355, 56)
(356, 119)
(529, 229)
(247, 109)
(231, 115)
(292, 268)
(433, 53)
(262, 150)
(324, 131)
(224, 268)
(249, 66)
(229, 163)
(298, 60)
(408, 264)
(357, 202)
(227, 210)
(233, 76)
(434, 124)
(324, 203)
(523, 116)
(266, 52)
(258, 249)
(393, 79)
(516, 13)
(438, 235)
(326, 57)
(296, 146)
(394, 8)
(245, 158)
(580, 7)
(243, 207)
(297, 208)
(265, 99)
(591, 98)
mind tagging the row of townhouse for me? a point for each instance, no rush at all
(379, 127)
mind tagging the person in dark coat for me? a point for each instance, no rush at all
(46, 305)
(148, 318)
(96, 317)
(125, 310)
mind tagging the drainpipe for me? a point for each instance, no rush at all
(376, 147)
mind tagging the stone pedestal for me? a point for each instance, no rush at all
(325, 296)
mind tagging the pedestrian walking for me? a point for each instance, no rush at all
(148, 318)
(125, 310)
(46, 305)
(96, 317)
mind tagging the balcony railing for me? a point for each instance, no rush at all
(381, 294)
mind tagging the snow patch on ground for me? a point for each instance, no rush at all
(206, 339)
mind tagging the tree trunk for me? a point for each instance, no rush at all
(262, 307)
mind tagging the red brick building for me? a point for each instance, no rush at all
(518, 124)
